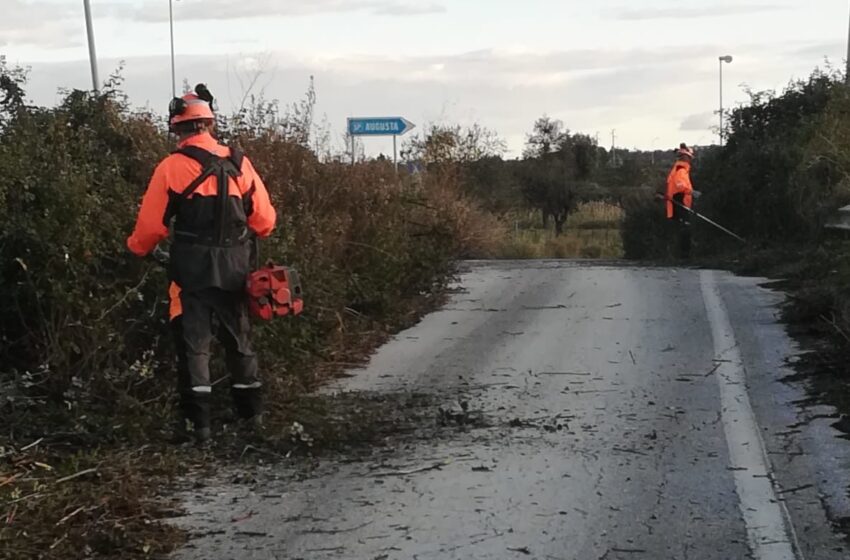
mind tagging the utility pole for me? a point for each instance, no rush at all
(92, 54)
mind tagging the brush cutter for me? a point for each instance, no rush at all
(273, 290)
(696, 214)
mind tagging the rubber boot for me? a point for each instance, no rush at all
(194, 423)
(186, 432)
(248, 402)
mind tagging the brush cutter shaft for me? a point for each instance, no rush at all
(706, 220)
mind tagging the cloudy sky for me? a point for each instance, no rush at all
(646, 68)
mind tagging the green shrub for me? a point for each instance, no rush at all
(645, 229)
(770, 181)
(80, 318)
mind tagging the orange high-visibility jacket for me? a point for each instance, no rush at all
(175, 173)
(679, 182)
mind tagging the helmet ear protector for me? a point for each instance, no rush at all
(203, 93)
(176, 107)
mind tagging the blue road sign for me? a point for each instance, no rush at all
(379, 126)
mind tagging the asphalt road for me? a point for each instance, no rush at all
(632, 413)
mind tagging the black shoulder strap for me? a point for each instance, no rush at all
(236, 157)
(206, 158)
(210, 165)
(208, 162)
(200, 155)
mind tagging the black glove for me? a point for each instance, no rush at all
(161, 256)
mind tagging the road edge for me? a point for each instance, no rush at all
(770, 531)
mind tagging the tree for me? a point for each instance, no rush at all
(585, 154)
(12, 95)
(545, 187)
(492, 181)
(556, 165)
(548, 136)
(453, 144)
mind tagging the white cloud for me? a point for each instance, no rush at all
(503, 68)
(590, 90)
(38, 23)
(229, 9)
(674, 11)
(409, 9)
(502, 64)
(699, 122)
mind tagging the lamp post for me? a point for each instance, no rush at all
(92, 54)
(171, 28)
(847, 71)
(728, 60)
(614, 148)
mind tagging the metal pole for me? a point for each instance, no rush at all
(721, 102)
(92, 53)
(614, 148)
(171, 26)
(847, 71)
(395, 153)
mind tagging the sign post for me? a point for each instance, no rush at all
(379, 126)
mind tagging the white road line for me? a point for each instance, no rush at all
(771, 535)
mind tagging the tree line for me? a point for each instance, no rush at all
(558, 168)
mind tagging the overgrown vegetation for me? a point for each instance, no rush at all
(782, 173)
(85, 363)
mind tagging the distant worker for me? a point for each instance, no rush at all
(217, 203)
(680, 192)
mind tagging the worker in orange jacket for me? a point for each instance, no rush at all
(213, 201)
(681, 190)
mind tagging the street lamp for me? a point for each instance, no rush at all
(92, 54)
(171, 26)
(847, 71)
(728, 60)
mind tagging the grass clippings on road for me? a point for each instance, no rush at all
(100, 490)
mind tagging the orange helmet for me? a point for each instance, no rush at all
(191, 107)
(685, 151)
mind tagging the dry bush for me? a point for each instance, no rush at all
(592, 232)
(86, 357)
(596, 215)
